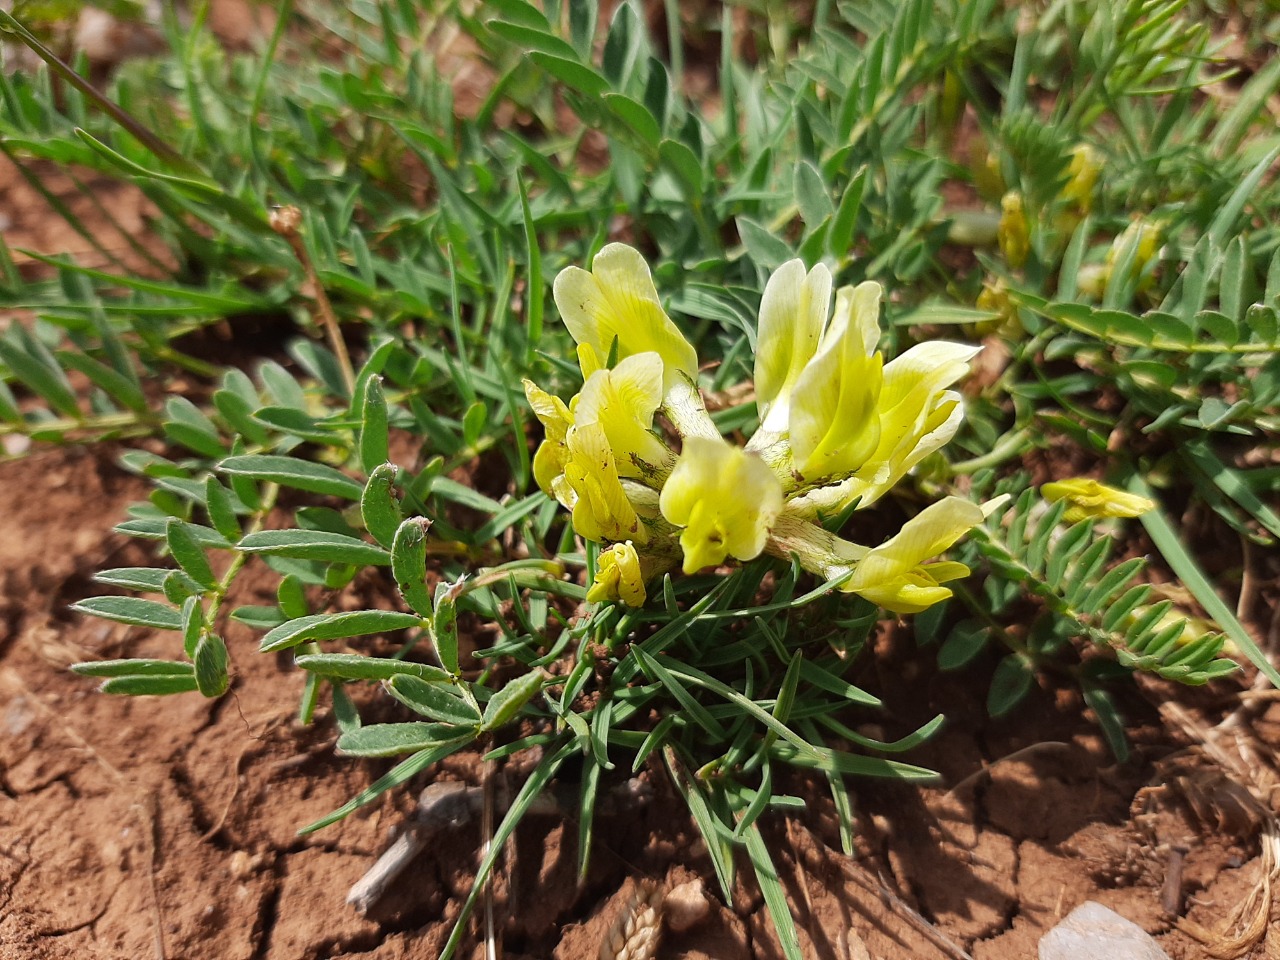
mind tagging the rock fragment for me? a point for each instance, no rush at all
(1094, 932)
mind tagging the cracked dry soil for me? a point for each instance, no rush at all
(139, 828)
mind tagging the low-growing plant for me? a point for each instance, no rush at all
(682, 568)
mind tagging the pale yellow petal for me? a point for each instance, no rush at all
(623, 401)
(619, 577)
(858, 307)
(905, 596)
(617, 300)
(602, 510)
(550, 410)
(834, 423)
(931, 366)
(793, 312)
(548, 463)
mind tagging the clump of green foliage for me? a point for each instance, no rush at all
(1112, 228)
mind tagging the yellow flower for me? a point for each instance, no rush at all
(834, 422)
(725, 498)
(994, 298)
(917, 415)
(623, 401)
(1082, 174)
(601, 510)
(895, 574)
(617, 300)
(619, 577)
(817, 383)
(1090, 500)
(1014, 233)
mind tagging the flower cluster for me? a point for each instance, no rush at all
(838, 428)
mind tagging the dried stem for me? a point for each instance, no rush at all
(287, 221)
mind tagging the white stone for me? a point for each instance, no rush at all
(1094, 932)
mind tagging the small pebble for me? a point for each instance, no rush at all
(686, 906)
(1094, 932)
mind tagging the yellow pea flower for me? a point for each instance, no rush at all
(895, 574)
(725, 499)
(1082, 176)
(793, 313)
(1091, 500)
(918, 415)
(1143, 237)
(623, 401)
(601, 510)
(619, 577)
(617, 300)
(834, 422)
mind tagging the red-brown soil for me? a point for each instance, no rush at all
(167, 828)
(135, 828)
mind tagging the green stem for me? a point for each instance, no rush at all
(271, 491)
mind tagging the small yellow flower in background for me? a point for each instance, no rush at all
(895, 574)
(725, 499)
(617, 300)
(1014, 233)
(1082, 177)
(1143, 236)
(1091, 500)
(619, 576)
(994, 298)
(1138, 245)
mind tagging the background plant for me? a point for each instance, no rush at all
(926, 146)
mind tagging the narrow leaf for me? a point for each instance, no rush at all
(331, 626)
(132, 610)
(507, 702)
(314, 545)
(291, 472)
